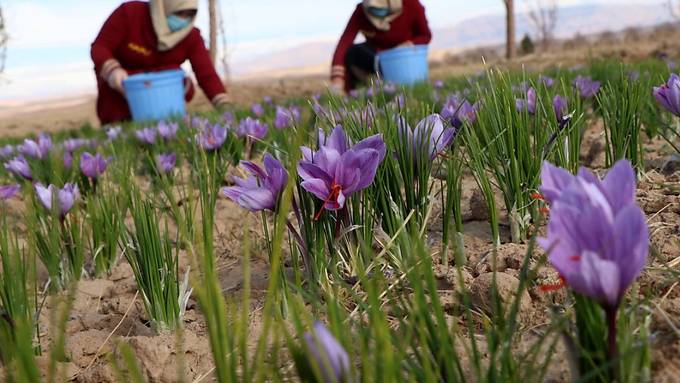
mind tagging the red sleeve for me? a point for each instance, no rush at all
(203, 67)
(421, 30)
(110, 37)
(346, 41)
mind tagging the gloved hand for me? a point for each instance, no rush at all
(337, 86)
(221, 101)
(115, 79)
(406, 43)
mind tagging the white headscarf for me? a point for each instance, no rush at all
(160, 10)
(383, 24)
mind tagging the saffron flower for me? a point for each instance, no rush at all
(72, 144)
(459, 112)
(93, 166)
(228, 118)
(262, 189)
(285, 117)
(6, 151)
(146, 136)
(114, 132)
(65, 197)
(547, 81)
(67, 160)
(429, 135)
(166, 162)
(212, 137)
(328, 354)
(337, 171)
(597, 235)
(559, 107)
(19, 167)
(257, 109)
(529, 103)
(439, 84)
(167, 130)
(36, 149)
(668, 94)
(249, 127)
(9, 191)
(586, 87)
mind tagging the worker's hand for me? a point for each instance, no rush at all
(405, 44)
(116, 78)
(337, 87)
(221, 101)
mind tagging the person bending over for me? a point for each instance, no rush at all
(385, 24)
(149, 37)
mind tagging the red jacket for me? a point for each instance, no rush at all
(129, 37)
(411, 26)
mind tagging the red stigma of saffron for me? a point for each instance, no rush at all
(332, 196)
(544, 210)
(553, 287)
(537, 196)
(575, 258)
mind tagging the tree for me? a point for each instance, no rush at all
(4, 39)
(212, 12)
(510, 29)
(543, 18)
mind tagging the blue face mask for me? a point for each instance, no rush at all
(379, 12)
(175, 23)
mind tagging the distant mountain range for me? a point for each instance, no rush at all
(478, 31)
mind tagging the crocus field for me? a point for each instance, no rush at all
(501, 227)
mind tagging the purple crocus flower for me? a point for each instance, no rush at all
(114, 132)
(597, 235)
(257, 109)
(6, 151)
(439, 84)
(389, 88)
(146, 136)
(212, 137)
(19, 167)
(547, 81)
(228, 118)
(337, 171)
(559, 107)
(167, 130)
(166, 162)
(73, 144)
(249, 127)
(9, 191)
(283, 118)
(328, 354)
(65, 197)
(458, 112)
(668, 94)
(528, 104)
(93, 166)
(354, 93)
(268, 100)
(586, 87)
(262, 189)
(36, 149)
(67, 160)
(429, 135)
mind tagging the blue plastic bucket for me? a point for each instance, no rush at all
(156, 95)
(405, 65)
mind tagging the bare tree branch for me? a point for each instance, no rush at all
(543, 15)
(223, 40)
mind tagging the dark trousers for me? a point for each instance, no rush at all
(359, 58)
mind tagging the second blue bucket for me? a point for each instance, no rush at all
(156, 95)
(405, 65)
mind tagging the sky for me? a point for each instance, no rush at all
(48, 53)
